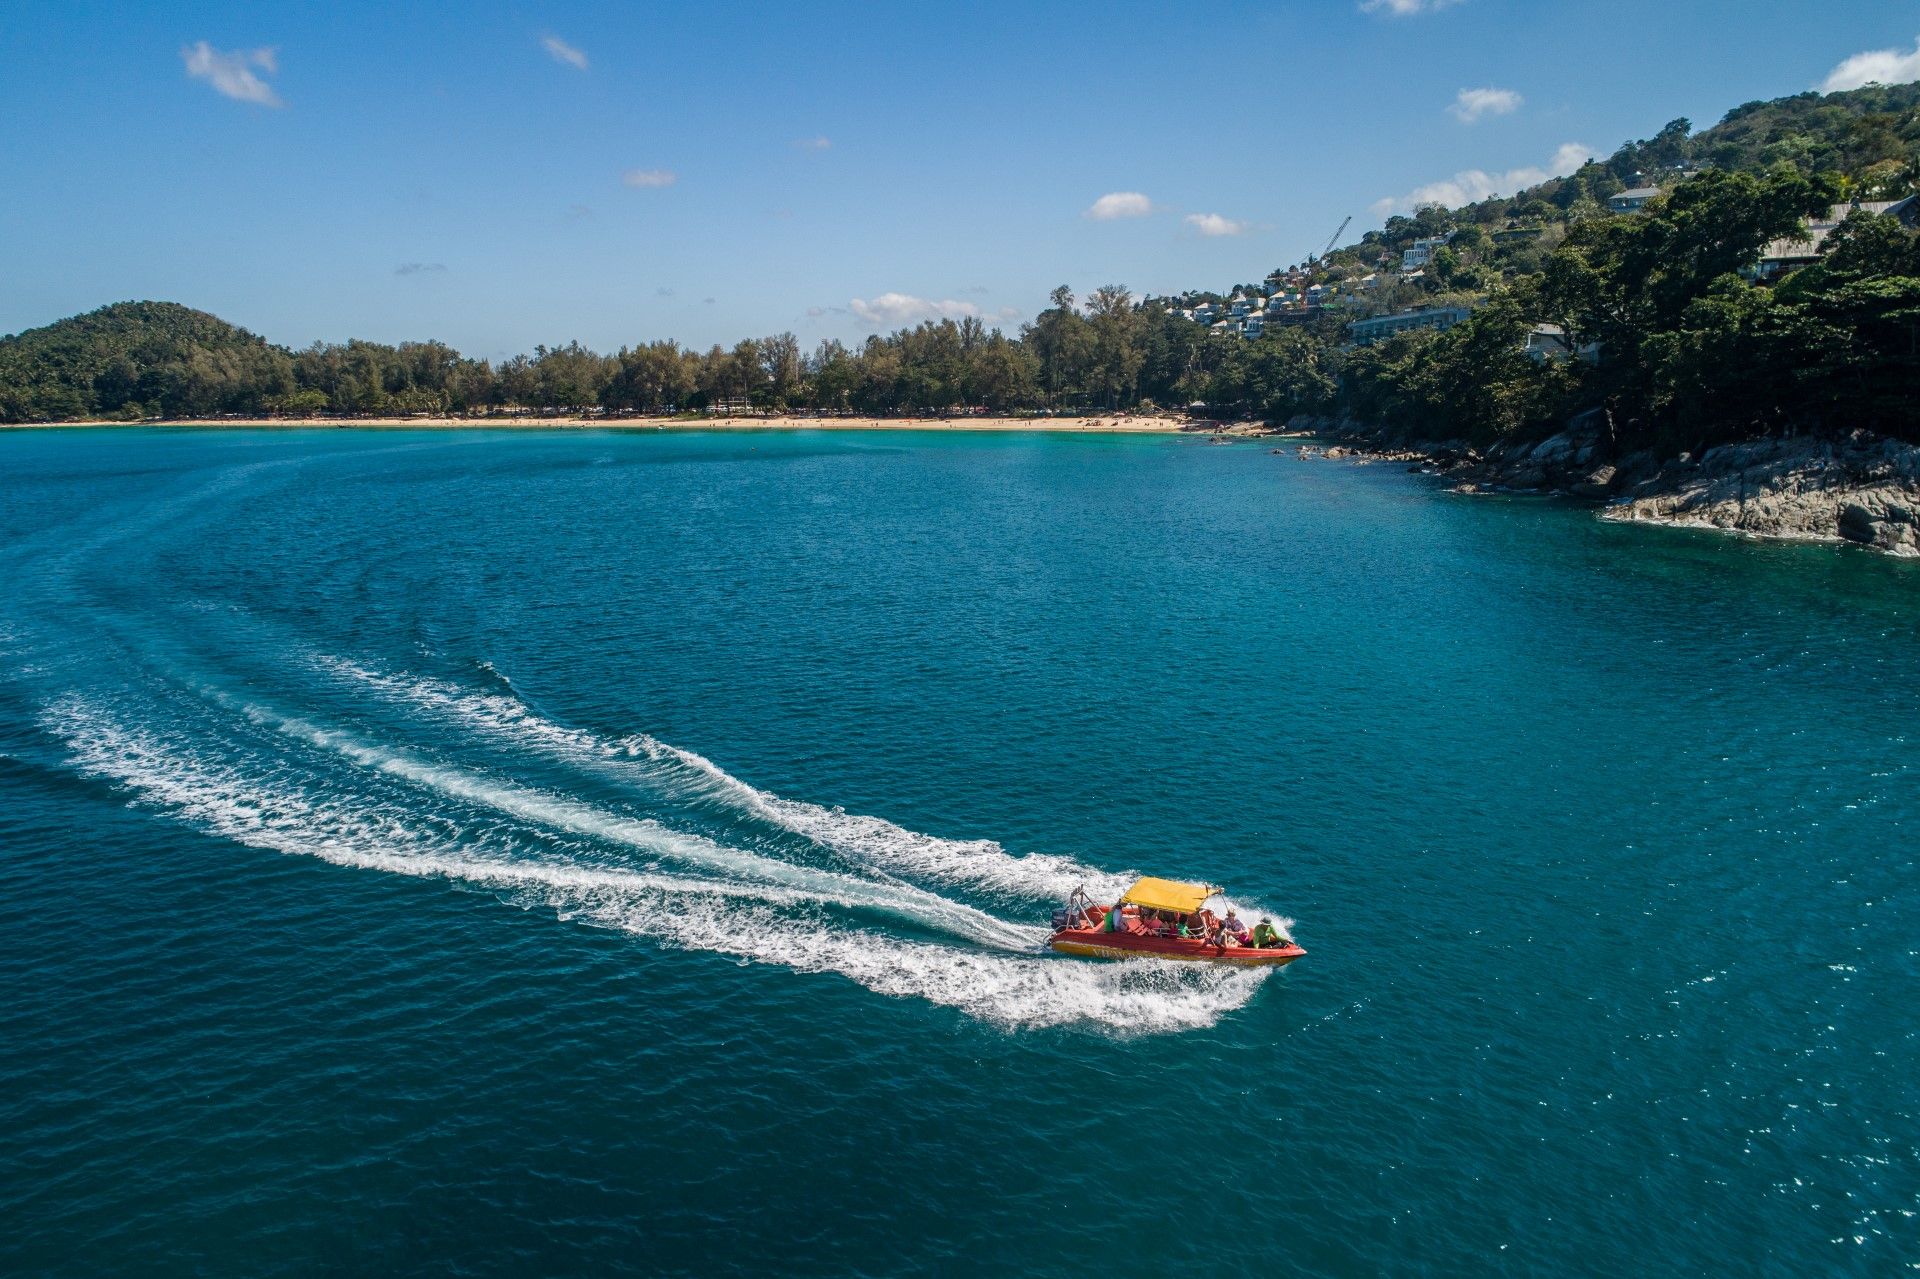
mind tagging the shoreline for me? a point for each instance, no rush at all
(1107, 424)
(1851, 488)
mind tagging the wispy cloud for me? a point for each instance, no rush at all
(1470, 185)
(560, 51)
(232, 73)
(1475, 104)
(1214, 224)
(1876, 66)
(663, 292)
(819, 142)
(892, 310)
(419, 268)
(579, 211)
(1405, 8)
(1119, 204)
(652, 178)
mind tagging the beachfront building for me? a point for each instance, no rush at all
(1632, 200)
(1794, 252)
(1381, 327)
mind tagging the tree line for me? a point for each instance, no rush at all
(137, 360)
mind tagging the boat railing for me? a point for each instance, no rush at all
(1074, 914)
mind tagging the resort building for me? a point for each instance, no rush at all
(1792, 253)
(1382, 327)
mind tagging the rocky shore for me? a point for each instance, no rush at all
(1857, 487)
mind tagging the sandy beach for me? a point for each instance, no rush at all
(1107, 424)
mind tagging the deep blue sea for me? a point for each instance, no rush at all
(537, 853)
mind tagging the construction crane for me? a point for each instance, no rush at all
(1335, 240)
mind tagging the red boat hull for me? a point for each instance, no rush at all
(1097, 944)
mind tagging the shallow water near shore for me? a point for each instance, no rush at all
(631, 852)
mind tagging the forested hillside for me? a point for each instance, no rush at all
(1688, 349)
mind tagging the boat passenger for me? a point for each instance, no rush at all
(1235, 929)
(1266, 936)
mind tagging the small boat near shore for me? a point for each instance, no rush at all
(1167, 919)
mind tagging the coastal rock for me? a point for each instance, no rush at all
(1598, 483)
(1859, 488)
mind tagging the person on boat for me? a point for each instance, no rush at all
(1266, 936)
(1235, 929)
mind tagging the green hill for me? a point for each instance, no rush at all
(1867, 139)
(136, 359)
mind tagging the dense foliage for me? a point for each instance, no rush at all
(1682, 346)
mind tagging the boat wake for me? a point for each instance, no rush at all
(239, 768)
(880, 844)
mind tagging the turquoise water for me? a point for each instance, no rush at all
(598, 852)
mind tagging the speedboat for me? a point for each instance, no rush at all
(1143, 924)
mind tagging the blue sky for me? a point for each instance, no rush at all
(498, 175)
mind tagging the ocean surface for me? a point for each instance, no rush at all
(584, 852)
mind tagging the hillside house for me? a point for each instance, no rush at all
(1421, 254)
(1633, 200)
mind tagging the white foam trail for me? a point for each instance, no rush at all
(757, 923)
(644, 835)
(978, 863)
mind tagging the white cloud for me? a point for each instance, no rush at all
(1568, 157)
(1474, 104)
(1470, 185)
(1214, 224)
(560, 51)
(820, 143)
(1119, 204)
(1404, 8)
(893, 310)
(653, 178)
(232, 73)
(1876, 66)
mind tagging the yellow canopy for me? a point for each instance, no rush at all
(1168, 894)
